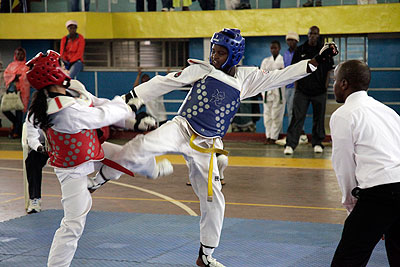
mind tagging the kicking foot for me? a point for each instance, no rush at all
(163, 168)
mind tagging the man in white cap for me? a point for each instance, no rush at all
(292, 38)
(71, 49)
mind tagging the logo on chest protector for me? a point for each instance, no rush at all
(216, 178)
(218, 97)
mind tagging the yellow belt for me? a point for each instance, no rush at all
(211, 150)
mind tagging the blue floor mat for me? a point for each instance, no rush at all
(151, 240)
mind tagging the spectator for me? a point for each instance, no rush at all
(36, 160)
(75, 5)
(310, 3)
(276, 3)
(167, 5)
(15, 75)
(231, 4)
(207, 4)
(311, 89)
(365, 157)
(71, 49)
(274, 100)
(17, 6)
(244, 4)
(292, 38)
(366, 2)
(151, 5)
(185, 4)
(154, 108)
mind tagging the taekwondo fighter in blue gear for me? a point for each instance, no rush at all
(203, 119)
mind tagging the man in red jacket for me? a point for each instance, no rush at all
(71, 49)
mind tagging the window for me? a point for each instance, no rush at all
(136, 53)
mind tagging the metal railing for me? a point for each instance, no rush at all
(256, 4)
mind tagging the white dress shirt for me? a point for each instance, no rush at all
(366, 145)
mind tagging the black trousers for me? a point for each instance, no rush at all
(151, 5)
(34, 164)
(300, 106)
(207, 4)
(376, 213)
(16, 120)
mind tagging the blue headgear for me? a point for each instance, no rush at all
(231, 40)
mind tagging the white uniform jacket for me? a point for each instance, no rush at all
(249, 81)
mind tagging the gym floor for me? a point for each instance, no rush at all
(264, 189)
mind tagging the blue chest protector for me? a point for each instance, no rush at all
(210, 107)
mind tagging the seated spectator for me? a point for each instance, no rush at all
(75, 5)
(310, 3)
(15, 76)
(151, 5)
(71, 49)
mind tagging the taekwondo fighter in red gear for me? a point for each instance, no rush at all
(202, 121)
(70, 115)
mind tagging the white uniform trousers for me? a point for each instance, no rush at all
(173, 137)
(76, 201)
(274, 110)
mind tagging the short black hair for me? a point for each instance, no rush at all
(356, 73)
(276, 42)
(314, 28)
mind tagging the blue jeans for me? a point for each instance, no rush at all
(75, 69)
(75, 5)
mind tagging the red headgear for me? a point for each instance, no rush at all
(45, 69)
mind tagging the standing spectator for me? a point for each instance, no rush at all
(151, 5)
(365, 157)
(276, 3)
(274, 101)
(310, 3)
(185, 4)
(75, 5)
(15, 75)
(366, 2)
(311, 89)
(207, 4)
(167, 5)
(36, 160)
(71, 49)
(292, 38)
(231, 4)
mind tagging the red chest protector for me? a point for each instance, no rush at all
(70, 150)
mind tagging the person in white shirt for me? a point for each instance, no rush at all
(366, 160)
(274, 100)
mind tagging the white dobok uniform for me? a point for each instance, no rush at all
(71, 116)
(215, 94)
(274, 100)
